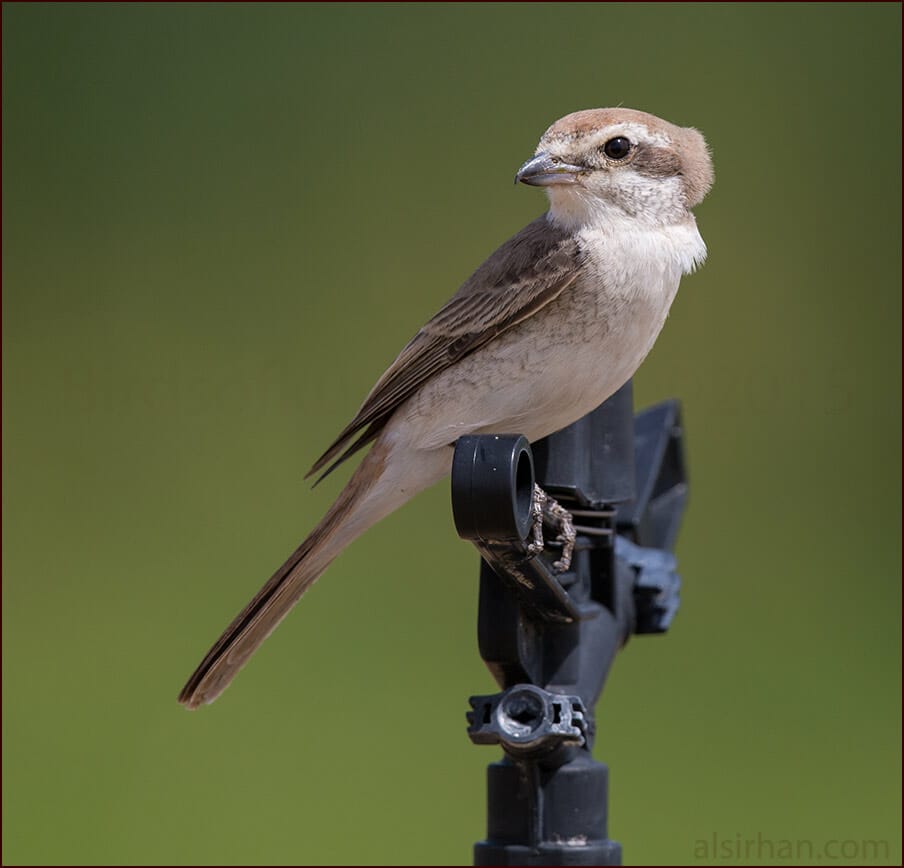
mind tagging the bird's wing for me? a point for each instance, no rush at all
(522, 276)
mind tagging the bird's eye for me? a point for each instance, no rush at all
(617, 148)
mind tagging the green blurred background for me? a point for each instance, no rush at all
(221, 222)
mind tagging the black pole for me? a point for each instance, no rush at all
(550, 638)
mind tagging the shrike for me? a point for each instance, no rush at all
(554, 322)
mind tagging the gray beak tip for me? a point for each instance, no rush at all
(545, 171)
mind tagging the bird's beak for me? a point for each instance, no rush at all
(544, 171)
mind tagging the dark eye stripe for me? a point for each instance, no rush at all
(656, 162)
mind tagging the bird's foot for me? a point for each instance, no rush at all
(537, 504)
(560, 518)
(545, 509)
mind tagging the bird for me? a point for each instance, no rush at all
(556, 320)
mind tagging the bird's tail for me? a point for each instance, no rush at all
(365, 500)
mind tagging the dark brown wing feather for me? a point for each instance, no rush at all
(522, 276)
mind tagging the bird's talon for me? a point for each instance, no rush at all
(567, 538)
(560, 518)
(537, 506)
(545, 509)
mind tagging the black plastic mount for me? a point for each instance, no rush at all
(550, 638)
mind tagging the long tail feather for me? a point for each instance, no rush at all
(348, 517)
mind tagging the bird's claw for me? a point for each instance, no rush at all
(544, 508)
(560, 518)
(537, 504)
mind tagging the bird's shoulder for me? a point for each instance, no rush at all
(522, 276)
(525, 269)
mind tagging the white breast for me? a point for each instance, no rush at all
(568, 358)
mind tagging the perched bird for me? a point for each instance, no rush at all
(554, 322)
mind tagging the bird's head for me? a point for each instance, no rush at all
(604, 164)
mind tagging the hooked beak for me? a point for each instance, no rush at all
(544, 171)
